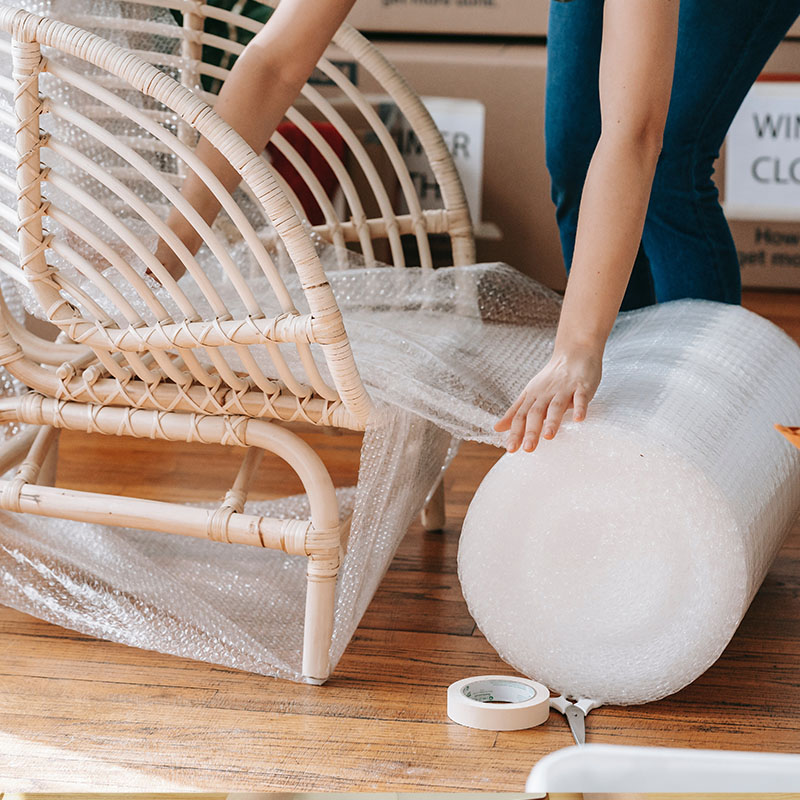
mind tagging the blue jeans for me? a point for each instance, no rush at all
(686, 248)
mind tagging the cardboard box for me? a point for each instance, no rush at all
(508, 80)
(769, 249)
(452, 17)
(461, 17)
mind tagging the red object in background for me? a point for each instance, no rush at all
(318, 165)
(779, 77)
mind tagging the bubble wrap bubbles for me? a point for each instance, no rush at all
(617, 560)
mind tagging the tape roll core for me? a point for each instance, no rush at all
(498, 703)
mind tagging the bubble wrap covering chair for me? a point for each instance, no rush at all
(162, 373)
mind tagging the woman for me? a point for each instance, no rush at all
(614, 130)
(630, 157)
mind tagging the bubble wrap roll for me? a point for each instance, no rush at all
(617, 560)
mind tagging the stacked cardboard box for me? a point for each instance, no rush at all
(452, 17)
(459, 17)
(769, 248)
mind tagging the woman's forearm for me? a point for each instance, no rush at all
(635, 80)
(263, 83)
(610, 222)
(251, 109)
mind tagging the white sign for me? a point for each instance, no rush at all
(762, 154)
(462, 124)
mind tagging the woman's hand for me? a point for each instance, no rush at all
(569, 380)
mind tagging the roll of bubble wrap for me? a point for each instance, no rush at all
(617, 560)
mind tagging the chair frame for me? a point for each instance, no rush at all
(83, 380)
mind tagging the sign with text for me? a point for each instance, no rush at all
(762, 154)
(462, 123)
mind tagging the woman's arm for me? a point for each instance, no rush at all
(263, 83)
(636, 66)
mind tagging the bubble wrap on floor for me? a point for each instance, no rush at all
(223, 603)
(243, 607)
(617, 560)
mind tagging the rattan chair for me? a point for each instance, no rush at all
(164, 375)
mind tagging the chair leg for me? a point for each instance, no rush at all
(14, 450)
(318, 626)
(47, 473)
(433, 516)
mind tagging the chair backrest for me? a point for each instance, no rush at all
(110, 157)
(354, 137)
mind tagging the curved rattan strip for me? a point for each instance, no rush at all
(364, 161)
(111, 293)
(89, 331)
(198, 372)
(9, 154)
(58, 282)
(10, 269)
(358, 215)
(255, 372)
(392, 152)
(333, 161)
(226, 373)
(97, 279)
(42, 351)
(110, 255)
(388, 143)
(136, 281)
(359, 220)
(409, 103)
(187, 155)
(188, 360)
(288, 151)
(127, 236)
(143, 210)
(285, 188)
(155, 179)
(141, 369)
(429, 136)
(131, 363)
(12, 246)
(312, 372)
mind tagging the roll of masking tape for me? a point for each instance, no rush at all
(498, 703)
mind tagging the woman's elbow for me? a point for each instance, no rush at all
(278, 62)
(643, 137)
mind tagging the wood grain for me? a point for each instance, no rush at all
(79, 714)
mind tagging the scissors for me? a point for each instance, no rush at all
(575, 711)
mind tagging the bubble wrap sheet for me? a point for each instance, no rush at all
(617, 560)
(421, 345)
(443, 354)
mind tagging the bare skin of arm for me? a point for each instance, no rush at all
(263, 83)
(636, 67)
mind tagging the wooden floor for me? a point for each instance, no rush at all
(78, 714)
